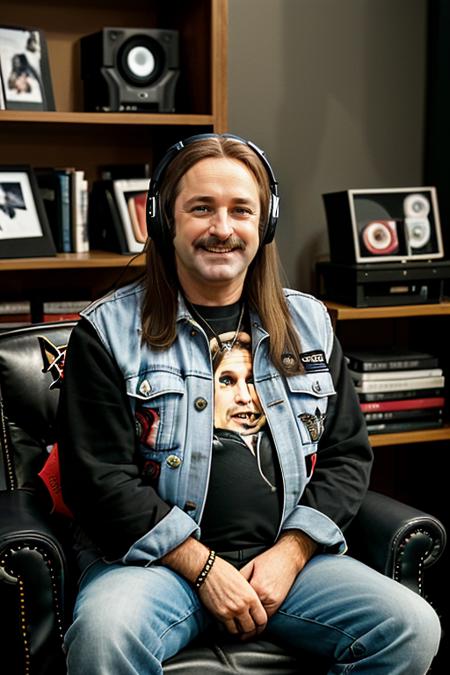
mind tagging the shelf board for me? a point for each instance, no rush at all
(346, 312)
(406, 437)
(156, 119)
(72, 261)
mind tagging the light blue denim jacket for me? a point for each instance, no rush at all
(179, 382)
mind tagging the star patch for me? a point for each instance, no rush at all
(314, 424)
(53, 358)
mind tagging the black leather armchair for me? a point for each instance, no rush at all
(37, 576)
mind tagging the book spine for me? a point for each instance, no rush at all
(397, 427)
(65, 215)
(400, 364)
(394, 374)
(409, 404)
(427, 413)
(79, 213)
(398, 385)
(404, 394)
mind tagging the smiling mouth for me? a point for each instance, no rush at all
(218, 250)
(249, 418)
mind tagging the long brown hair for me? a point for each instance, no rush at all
(263, 289)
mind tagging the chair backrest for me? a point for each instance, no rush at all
(31, 361)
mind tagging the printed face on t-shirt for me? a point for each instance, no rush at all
(236, 403)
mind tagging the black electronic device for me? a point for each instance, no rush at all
(386, 284)
(130, 70)
(158, 229)
(380, 226)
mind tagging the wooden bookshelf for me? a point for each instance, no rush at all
(423, 327)
(90, 140)
(407, 437)
(73, 261)
(340, 312)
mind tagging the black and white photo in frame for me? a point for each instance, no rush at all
(24, 229)
(24, 69)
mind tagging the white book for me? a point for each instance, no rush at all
(79, 213)
(395, 374)
(400, 385)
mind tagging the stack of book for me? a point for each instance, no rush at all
(64, 193)
(398, 390)
(15, 314)
(62, 310)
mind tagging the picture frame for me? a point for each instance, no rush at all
(384, 225)
(24, 228)
(131, 197)
(25, 77)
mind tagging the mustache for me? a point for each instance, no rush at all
(215, 242)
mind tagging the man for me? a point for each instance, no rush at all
(178, 530)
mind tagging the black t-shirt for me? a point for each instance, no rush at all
(244, 500)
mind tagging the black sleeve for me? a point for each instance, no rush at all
(344, 456)
(100, 474)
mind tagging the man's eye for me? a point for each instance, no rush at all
(226, 380)
(242, 211)
(201, 208)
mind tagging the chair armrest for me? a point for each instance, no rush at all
(396, 539)
(33, 574)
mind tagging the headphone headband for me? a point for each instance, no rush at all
(158, 229)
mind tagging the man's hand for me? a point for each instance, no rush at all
(225, 592)
(272, 573)
(232, 600)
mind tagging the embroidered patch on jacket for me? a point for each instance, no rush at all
(53, 359)
(314, 424)
(147, 424)
(314, 362)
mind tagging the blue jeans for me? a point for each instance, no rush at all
(128, 620)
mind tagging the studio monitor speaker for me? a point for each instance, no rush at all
(395, 224)
(130, 69)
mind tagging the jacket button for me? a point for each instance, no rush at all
(145, 388)
(316, 387)
(173, 461)
(190, 506)
(200, 403)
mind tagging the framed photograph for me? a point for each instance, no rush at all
(24, 229)
(25, 70)
(131, 198)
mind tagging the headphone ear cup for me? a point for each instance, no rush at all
(272, 219)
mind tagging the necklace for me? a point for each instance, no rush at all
(223, 346)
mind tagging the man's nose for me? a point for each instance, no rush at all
(221, 224)
(243, 393)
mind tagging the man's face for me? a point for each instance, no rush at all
(217, 214)
(236, 404)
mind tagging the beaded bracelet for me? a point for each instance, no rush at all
(205, 571)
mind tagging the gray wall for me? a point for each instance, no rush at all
(334, 91)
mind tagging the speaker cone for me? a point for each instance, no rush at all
(418, 231)
(141, 60)
(380, 237)
(416, 206)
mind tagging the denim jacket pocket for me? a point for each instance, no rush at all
(309, 395)
(157, 399)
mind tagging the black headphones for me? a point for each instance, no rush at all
(158, 229)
